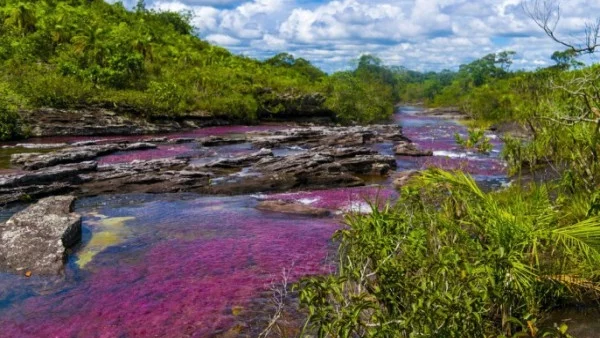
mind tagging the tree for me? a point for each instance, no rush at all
(566, 59)
(505, 59)
(140, 6)
(481, 70)
(281, 60)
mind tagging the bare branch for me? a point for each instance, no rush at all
(568, 121)
(546, 14)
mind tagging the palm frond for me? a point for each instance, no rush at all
(583, 238)
(456, 181)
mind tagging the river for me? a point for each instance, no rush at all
(190, 265)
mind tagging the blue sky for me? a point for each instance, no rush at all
(418, 34)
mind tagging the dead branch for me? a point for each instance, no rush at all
(546, 14)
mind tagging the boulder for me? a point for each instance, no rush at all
(36, 240)
(288, 207)
(409, 149)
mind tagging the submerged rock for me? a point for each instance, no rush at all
(288, 207)
(36, 239)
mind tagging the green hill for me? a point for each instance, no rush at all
(79, 53)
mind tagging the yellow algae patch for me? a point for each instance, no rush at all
(237, 310)
(104, 239)
(115, 222)
(85, 257)
(109, 231)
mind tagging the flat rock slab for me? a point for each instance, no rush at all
(36, 239)
(34, 161)
(292, 208)
(327, 136)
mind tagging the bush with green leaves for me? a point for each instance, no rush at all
(358, 99)
(449, 260)
(475, 139)
(10, 123)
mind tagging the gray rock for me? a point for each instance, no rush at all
(328, 136)
(84, 143)
(41, 145)
(240, 161)
(181, 140)
(34, 161)
(331, 157)
(212, 141)
(47, 175)
(409, 149)
(36, 239)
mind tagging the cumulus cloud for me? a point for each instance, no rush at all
(418, 34)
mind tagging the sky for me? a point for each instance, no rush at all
(424, 35)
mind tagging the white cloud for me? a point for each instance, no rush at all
(419, 34)
(223, 40)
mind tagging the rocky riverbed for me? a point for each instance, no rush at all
(184, 234)
(322, 157)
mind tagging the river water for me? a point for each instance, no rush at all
(177, 265)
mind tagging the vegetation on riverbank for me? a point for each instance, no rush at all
(449, 260)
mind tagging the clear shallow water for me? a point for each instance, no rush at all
(437, 134)
(189, 265)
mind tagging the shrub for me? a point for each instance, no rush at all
(449, 260)
(54, 90)
(10, 124)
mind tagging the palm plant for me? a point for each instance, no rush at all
(89, 43)
(530, 241)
